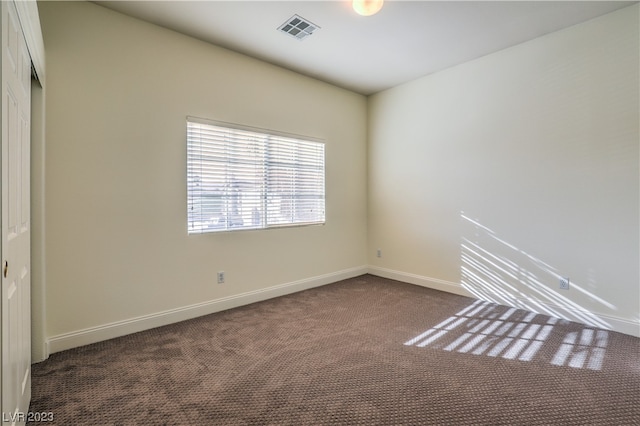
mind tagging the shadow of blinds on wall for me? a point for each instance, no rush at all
(245, 178)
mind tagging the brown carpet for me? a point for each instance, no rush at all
(364, 351)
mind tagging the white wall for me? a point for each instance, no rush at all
(492, 178)
(118, 255)
(498, 176)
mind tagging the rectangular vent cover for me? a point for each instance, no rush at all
(298, 27)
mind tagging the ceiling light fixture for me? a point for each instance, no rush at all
(367, 7)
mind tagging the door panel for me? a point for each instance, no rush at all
(16, 220)
(12, 166)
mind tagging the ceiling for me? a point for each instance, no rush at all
(404, 41)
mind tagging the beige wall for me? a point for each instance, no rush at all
(493, 178)
(500, 175)
(118, 94)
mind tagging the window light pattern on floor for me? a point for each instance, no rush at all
(484, 328)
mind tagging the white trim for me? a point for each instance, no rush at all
(236, 126)
(622, 325)
(582, 316)
(434, 283)
(30, 24)
(133, 325)
(121, 328)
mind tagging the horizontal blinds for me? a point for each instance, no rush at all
(243, 179)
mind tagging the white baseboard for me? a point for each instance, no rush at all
(570, 313)
(434, 283)
(87, 336)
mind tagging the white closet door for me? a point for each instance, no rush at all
(16, 221)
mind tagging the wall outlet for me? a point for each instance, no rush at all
(378, 253)
(564, 283)
(221, 277)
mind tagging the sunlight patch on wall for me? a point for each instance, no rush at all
(494, 270)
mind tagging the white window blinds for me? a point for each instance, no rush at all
(241, 178)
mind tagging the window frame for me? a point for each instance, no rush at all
(266, 218)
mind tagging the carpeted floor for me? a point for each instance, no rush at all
(364, 351)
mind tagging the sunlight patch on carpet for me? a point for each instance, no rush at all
(484, 328)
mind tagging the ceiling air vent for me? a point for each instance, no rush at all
(298, 27)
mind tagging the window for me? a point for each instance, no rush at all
(244, 178)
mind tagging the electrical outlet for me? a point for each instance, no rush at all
(564, 283)
(221, 277)
(379, 253)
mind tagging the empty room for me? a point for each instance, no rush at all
(320, 212)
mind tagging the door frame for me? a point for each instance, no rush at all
(29, 19)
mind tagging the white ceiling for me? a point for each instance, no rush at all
(404, 41)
